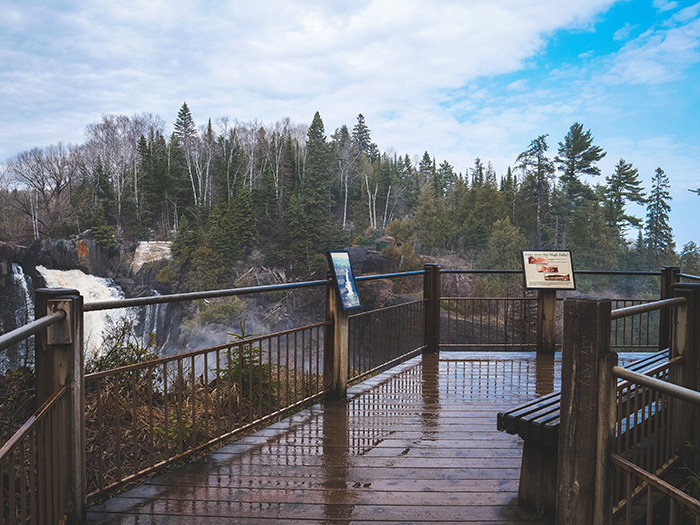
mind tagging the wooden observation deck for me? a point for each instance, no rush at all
(415, 444)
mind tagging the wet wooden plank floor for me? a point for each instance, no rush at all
(416, 444)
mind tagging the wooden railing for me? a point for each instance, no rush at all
(533, 319)
(42, 464)
(148, 415)
(621, 442)
(96, 432)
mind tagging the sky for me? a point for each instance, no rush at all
(459, 79)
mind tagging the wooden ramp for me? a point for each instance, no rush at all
(416, 444)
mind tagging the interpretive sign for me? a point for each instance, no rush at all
(548, 269)
(339, 261)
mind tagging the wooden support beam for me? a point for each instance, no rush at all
(669, 276)
(59, 362)
(587, 414)
(431, 294)
(336, 343)
(546, 321)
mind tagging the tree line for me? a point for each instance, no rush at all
(284, 193)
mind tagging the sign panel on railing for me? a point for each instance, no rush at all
(339, 262)
(548, 269)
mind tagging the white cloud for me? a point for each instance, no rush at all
(263, 60)
(657, 56)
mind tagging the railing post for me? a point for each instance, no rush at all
(59, 362)
(669, 276)
(431, 293)
(546, 321)
(685, 342)
(336, 343)
(587, 427)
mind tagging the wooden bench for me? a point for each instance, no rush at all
(537, 423)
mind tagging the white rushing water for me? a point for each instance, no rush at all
(92, 288)
(24, 305)
(24, 314)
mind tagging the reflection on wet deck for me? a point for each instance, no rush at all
(416, 444)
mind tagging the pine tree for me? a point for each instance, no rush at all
(426, 169)
(690, 259)
(623, 186)
(477, 173)
(362, 139)
(431, 222)
(185, 128)
(538, 171)
(658, 236)
(309, 209)
(576, 156)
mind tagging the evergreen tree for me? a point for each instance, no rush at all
(538, 171)
(445, 179)
(409, 181)
(430, 222)
(658, 236)
(185, 128)
(426, 169)
(186, 240)
(104, 234)
(504, 246)
(690, 259)
(623, 186)
(577, 156)
(594, 244)
(233, 227)
(477, 173)
(310, 207)
(509, 190)
(363, 141)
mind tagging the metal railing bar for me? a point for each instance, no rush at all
(504, 272)
(191, 296)
(661, 367)
(648, 307)
(209, 444)
(388, 275)
(489, 345)
(30, 329)
(509, 298)
(31, 422)
(689, 276)
(405, 357)
(195, 353)
(675, 391)
(387, 308)
(577, 272)
(657, 483)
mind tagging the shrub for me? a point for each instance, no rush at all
(166, 276)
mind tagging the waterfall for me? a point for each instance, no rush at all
(23, 308)
(92, 288)
(25, 313)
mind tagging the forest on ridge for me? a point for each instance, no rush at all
(230, 193)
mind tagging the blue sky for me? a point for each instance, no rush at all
(459, 79)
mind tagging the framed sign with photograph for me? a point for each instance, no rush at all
(548, 270)
(339, 262)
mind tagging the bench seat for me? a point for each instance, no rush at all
(537, 423)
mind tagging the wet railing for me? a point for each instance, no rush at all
(34, 483)
(642, 465)
(651, 411)
(138, 418)
(144, 416)
(512, 318)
